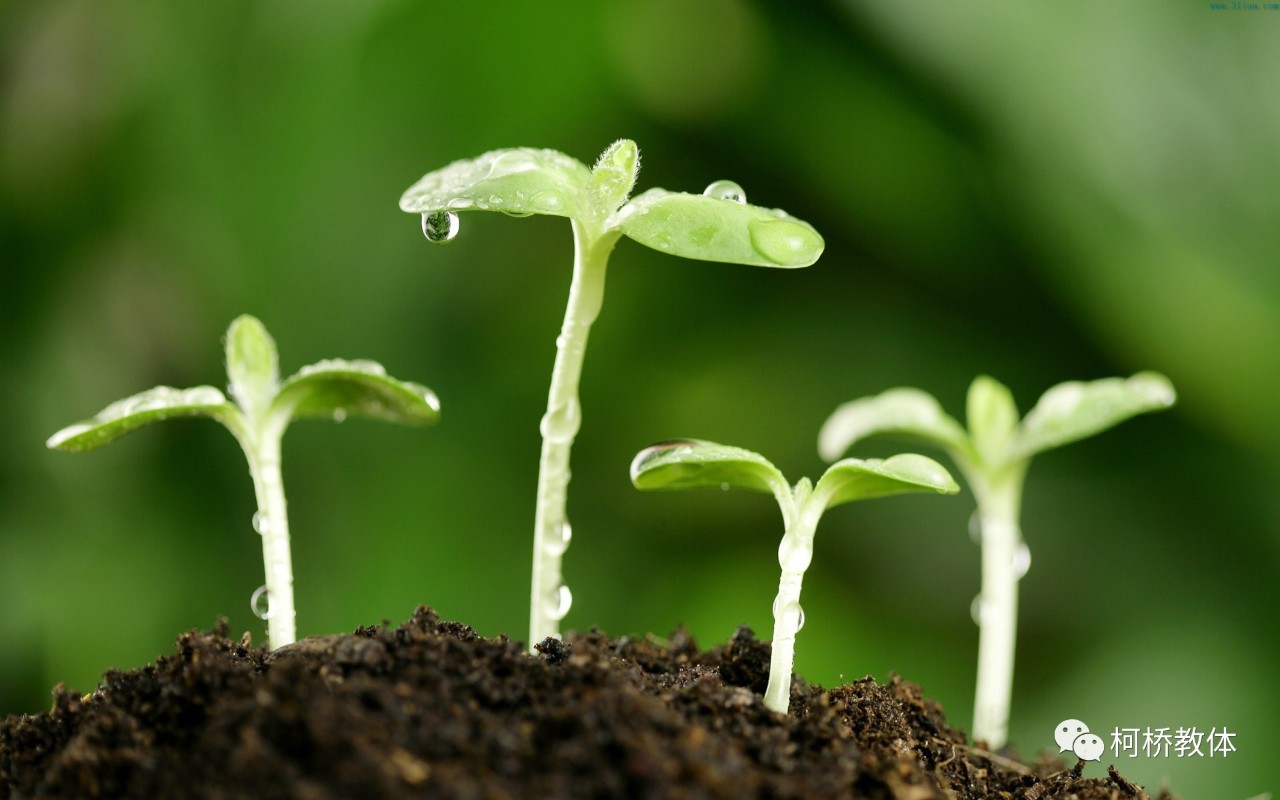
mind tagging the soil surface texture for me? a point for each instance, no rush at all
(432, 710)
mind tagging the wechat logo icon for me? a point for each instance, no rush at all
(1074, 735)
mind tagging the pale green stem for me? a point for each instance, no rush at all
(794, 555)
(549, 599)
(998, 503)
(261, 446)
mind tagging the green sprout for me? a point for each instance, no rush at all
(262, 409)
(689, 463)
(994, 455)
(717, 225)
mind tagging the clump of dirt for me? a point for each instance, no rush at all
(431, 709)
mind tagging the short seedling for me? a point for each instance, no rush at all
(716, 225)
(994, 455)
(689, 463)
(263, 408)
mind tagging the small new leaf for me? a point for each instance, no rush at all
(859, 479)
(252, 365)
(692, 463)
(337, 388)
(1075, 410)
(993, 418)
(518, 180)
(906, 412)
(614, 176)
(127, 415)
(712, 229)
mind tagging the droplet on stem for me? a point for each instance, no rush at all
(260, 602)
(726, 190)
(440, 226)
(1021, 560)
(975, 527)
(261, 522)
(558, 542)
(792, 614)
(563, 599)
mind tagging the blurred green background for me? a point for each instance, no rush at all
(1036, 191)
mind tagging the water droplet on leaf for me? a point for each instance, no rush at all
(726, 190)
(260, 602)
(440, 226)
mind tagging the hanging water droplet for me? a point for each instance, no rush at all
(1021, 560)
(975, 609)
(561, 602)
(558, 541)
(261, 603)
(561, 424)
(518, 214)
(261, 522)
(975, 527)
(440, 226)
(792, 616)
(726, 190)
(794, 554)
(339, 415)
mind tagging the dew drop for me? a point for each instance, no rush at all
(261, 603)
(440, 226)
(261, 522)
(726, 190)
(518, 214)
(561, 424)
(339, 415)
(558, 541)
(562, 600)
(724, 487)
(975, 609)
(1021, 560)
(792, 615)
(975, 527)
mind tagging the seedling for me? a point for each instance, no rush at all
(689, 463)
(994, 455)
(717, 225)
(262, 409)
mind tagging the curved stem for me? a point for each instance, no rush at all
(548, 601)
(997, 607)
(262, 448)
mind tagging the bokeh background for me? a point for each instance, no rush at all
(1036, 191)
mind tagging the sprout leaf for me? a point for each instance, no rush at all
(519, 180)
(139, 410)
(691, 464)
(713, 229)
(906, 412)
(336, 388)
(859, 479)
(1074, 410)
(993, 418)
(252, 364)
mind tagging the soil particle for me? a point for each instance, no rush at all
(432, 710)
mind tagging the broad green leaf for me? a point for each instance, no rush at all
(858, 479)
(144, 408)
(337, 388)
(614, 176)
(714, 229)
(691, 464)
(1075, 410)
(993, 418)
(904, 411)
(252, 365)
(520, 180)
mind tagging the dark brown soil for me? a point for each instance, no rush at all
(430, 709)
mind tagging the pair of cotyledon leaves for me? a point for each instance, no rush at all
(330, 389)
(996, 439)
(522, 181)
